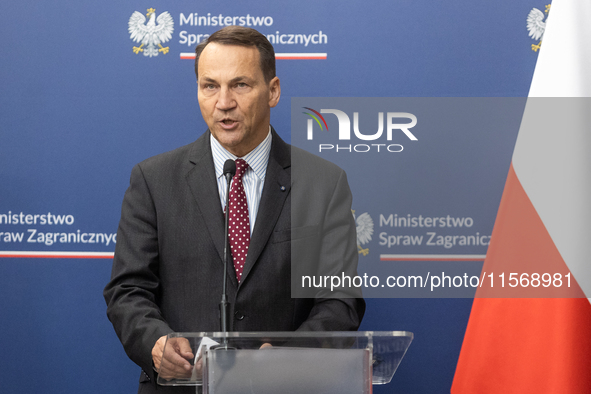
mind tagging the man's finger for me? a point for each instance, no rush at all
(157, 351)
(184, 348)
(175, 360)
(175, 367)
(170, 369)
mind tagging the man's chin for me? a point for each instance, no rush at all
(227, 137)
(232, 142)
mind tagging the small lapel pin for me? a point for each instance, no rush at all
(282, 188)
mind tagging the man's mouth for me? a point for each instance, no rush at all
(228, 123)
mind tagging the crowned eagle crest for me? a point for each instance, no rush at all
(150, 34)
(536, 25)
(364, 231)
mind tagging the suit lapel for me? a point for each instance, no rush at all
(272, 202)
(203, 184)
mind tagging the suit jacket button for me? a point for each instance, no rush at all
(238, 315)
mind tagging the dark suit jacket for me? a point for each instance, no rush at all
(167, 271)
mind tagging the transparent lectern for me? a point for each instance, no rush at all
(291, 362)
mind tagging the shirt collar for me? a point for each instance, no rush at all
(257, 159)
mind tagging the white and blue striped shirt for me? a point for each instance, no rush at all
(254, 177)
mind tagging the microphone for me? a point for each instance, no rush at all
(229, 171)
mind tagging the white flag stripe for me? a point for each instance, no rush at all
(551, 156)
(563, 64)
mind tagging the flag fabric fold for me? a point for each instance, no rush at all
(539, 339)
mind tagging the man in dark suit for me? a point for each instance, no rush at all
(168, 266)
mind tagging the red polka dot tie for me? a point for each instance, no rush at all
(239, 223)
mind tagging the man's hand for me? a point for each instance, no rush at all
(174, 363)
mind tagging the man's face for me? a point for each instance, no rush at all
(234, 98)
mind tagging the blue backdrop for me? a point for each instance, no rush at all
(79, 108)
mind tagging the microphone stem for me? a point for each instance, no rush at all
(224, 301)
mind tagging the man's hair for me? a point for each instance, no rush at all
(246, 37)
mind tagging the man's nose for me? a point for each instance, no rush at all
(226, 100)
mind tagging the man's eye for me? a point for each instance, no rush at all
(241, 85)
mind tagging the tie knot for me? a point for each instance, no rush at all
(241, 167)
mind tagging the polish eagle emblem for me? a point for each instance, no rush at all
(364, 226)
(536, 25)
(150, 34)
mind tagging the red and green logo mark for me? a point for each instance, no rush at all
(316, 117)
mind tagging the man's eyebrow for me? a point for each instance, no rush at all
(207, 79)
(241, 79)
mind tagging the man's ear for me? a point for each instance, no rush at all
(274, 92)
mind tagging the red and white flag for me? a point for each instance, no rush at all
(539, 339)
